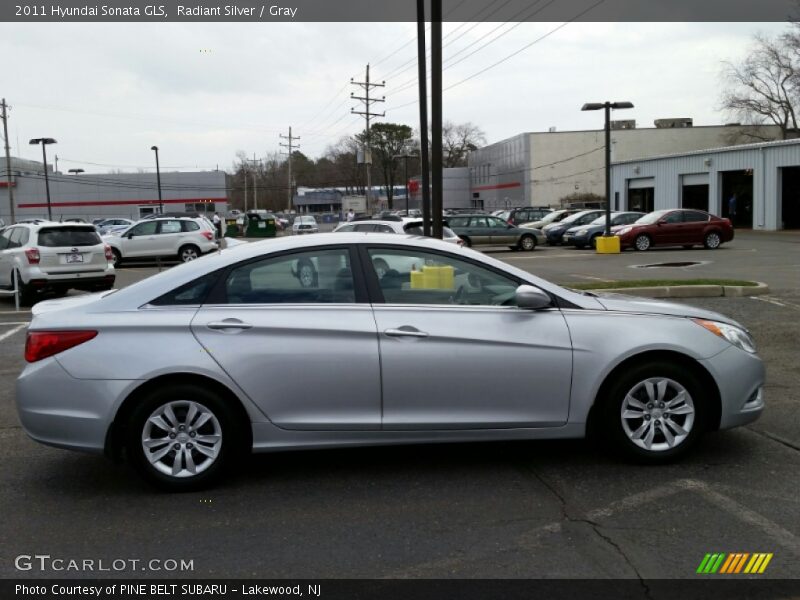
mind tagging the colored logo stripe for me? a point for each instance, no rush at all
(733, 563)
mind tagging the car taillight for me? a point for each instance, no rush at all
(32, 255)
(460, 242)
(208, 235)
(41, 344)
(109, 253)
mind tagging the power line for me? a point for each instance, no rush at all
(367, 85)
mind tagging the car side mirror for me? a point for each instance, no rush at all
(531, 298)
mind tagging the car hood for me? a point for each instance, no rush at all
(633, 304)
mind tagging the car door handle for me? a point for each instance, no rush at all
(406, 332)
(228, 324)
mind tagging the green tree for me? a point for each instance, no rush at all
(388, 140)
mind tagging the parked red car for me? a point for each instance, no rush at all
(676, 227)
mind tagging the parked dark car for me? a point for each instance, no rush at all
(581, 236)
(555, 231)
(525, 214)
(481, 229)
(676, 227)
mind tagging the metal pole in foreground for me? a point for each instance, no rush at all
(158, 180)
(47, 182)
(424, 163)
(8, 163)
(608, 168)
(436, 117)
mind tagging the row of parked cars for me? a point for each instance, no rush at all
(47, 257)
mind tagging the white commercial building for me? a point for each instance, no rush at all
(543, 168)
(755, 185)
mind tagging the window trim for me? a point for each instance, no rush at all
(376, 293)
(218, 295)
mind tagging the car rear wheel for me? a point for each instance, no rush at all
(27, 293)
(188, 253)
(642, 242)
(655, 412)
(181, 436)
(712, 240)
(527, 243)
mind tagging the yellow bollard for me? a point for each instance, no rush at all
(608, 245)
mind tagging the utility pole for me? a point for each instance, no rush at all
(56, 166)
(437, 197)
(8, 161)
(366, 85)
(255, 183)
(424, 164)
(291, 146)
(244, 176)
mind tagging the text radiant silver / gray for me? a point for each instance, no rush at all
(365, 339)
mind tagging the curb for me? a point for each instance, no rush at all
(690, 291)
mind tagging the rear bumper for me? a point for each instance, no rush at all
(59, 410)
(41, 280)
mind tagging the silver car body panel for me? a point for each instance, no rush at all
(349, 393)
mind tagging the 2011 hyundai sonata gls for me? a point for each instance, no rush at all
(182, 371)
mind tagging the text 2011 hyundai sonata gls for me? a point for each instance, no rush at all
(186, 369)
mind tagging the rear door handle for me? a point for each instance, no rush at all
(228, 324)
(406, 332)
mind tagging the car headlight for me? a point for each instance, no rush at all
(624, 230)
(735, 335)
(581, 232)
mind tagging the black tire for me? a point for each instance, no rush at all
(230, 443)
(527, 243)
(117, 260)
(307, 274)
(594, 241)
(188, 253)
(27, 294)
(642, 242)
(381, 267)
(467, 241)
(712, 240)
(609, 426)
(688, 246)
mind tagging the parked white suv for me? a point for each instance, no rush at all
(183, 238)
(404, 226)
(54, 257)
(304, 224)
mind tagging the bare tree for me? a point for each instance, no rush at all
(763, 87)
(458, 140)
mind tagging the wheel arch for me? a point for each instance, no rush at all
(115, 436)
(687, 362)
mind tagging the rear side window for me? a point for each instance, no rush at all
(458, 221)
(52, 237)
(170, 227)
(192, 293)
(692, 216)
(190, 226)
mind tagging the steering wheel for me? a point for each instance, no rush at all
(460, 297)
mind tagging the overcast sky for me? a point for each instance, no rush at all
(202, 92)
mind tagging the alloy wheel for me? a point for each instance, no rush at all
(657, 414)
(182, 438)
(713, 240)
(642, 242)
(188, 254)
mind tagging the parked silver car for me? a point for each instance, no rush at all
(192, 366)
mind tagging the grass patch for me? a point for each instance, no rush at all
(638, 283)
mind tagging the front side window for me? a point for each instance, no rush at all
(148, 228)
(410, 276)
(314, 277)
(364, 227)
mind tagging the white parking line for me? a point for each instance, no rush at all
(8, 334)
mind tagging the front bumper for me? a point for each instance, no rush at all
(554, 237)
(740, 378)
(58, 410)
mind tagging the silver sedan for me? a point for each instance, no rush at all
(183, 371)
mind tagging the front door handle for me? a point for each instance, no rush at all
(406, 331)
(228, 324)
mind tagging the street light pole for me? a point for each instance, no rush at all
(607, 107)
(158, 180)
(44, 142)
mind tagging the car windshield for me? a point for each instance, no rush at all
(573, 218)
(552, 216)
(651, 218)
(68, 236)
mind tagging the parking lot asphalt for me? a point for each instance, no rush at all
(532, 509)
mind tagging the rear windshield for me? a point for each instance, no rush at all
(57, 237)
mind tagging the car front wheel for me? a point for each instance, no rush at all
(642, 242)
(655, 412)
(180, 437)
